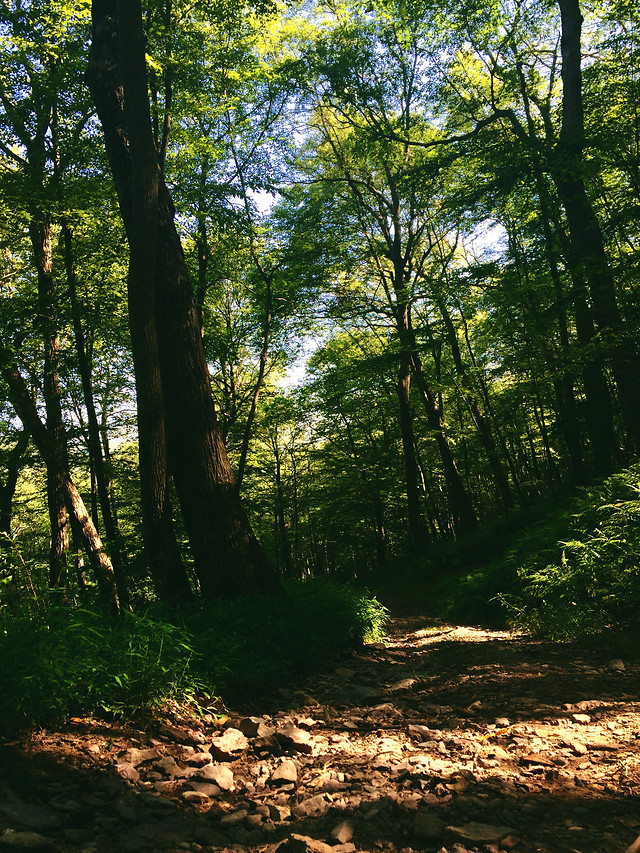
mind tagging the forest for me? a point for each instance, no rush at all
(308, 306)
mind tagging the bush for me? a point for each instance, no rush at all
(593, 580)
(70, 661)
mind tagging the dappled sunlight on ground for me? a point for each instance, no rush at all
(442, 738)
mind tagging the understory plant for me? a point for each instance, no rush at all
(63, 661)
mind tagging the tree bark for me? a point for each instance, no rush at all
(228, 559)
(40, 234)
(584, 228)
(28, 414)
(99, 473)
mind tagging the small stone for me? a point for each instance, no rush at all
(194, 797)
(294, 738)
(428, 826)
(303, 844)
(220, 775)
(30, 816)
(233, 818)
(284, 773)
(127, 771)
(502, 722)
(24, 840)
(582, 719)
(418, 732)
(255, 727)
(344, 831)
(229, 745)
(578, 748)
(311, 806)
(477, 833)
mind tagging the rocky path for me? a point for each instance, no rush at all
(442, 739)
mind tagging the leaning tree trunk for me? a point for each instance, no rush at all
(28, 414)
(227, 557)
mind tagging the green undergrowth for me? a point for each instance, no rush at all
(569, 571)
(71, 661)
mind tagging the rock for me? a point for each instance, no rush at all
(179, 735)
(502, 722)
(418, 732)
(311, 806)
(578, 748)
(344, 831)
(220, 775)
(477, 833)
(138, 756)
(195, 797)
(24, 840)
(169, 767)
(255, 727)
(234, 818)
(284, 773)
(33, 817)
(291, 737)
(582, 719)
(428, 826)
(127, 771)
(536, 758)
(303, 844)
(404, 684)
(207, 789)
(229, 745)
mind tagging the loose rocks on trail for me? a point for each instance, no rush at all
(441, 739)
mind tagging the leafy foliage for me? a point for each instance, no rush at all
(69, 661)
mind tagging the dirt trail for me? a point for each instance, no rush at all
(442, 738)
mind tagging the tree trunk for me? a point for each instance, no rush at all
(482, 425)
(584, 228)
(28, 414)
(40, 234)
(414, 516)
(99, 474)
(228, 558)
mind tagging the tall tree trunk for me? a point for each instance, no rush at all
(228, 559)
(99, 474)
(40, 234)
(8, 489)
(584, 228)
(483, 427)
(414, 516)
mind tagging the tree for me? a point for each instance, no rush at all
(228, 558)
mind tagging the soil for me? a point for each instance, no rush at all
(442, 738)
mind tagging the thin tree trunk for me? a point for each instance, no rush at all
(40, 234)
(28, 414)
(99, 478)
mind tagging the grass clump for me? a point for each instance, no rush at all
(70, 661)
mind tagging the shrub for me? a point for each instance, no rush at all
(69, 661)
